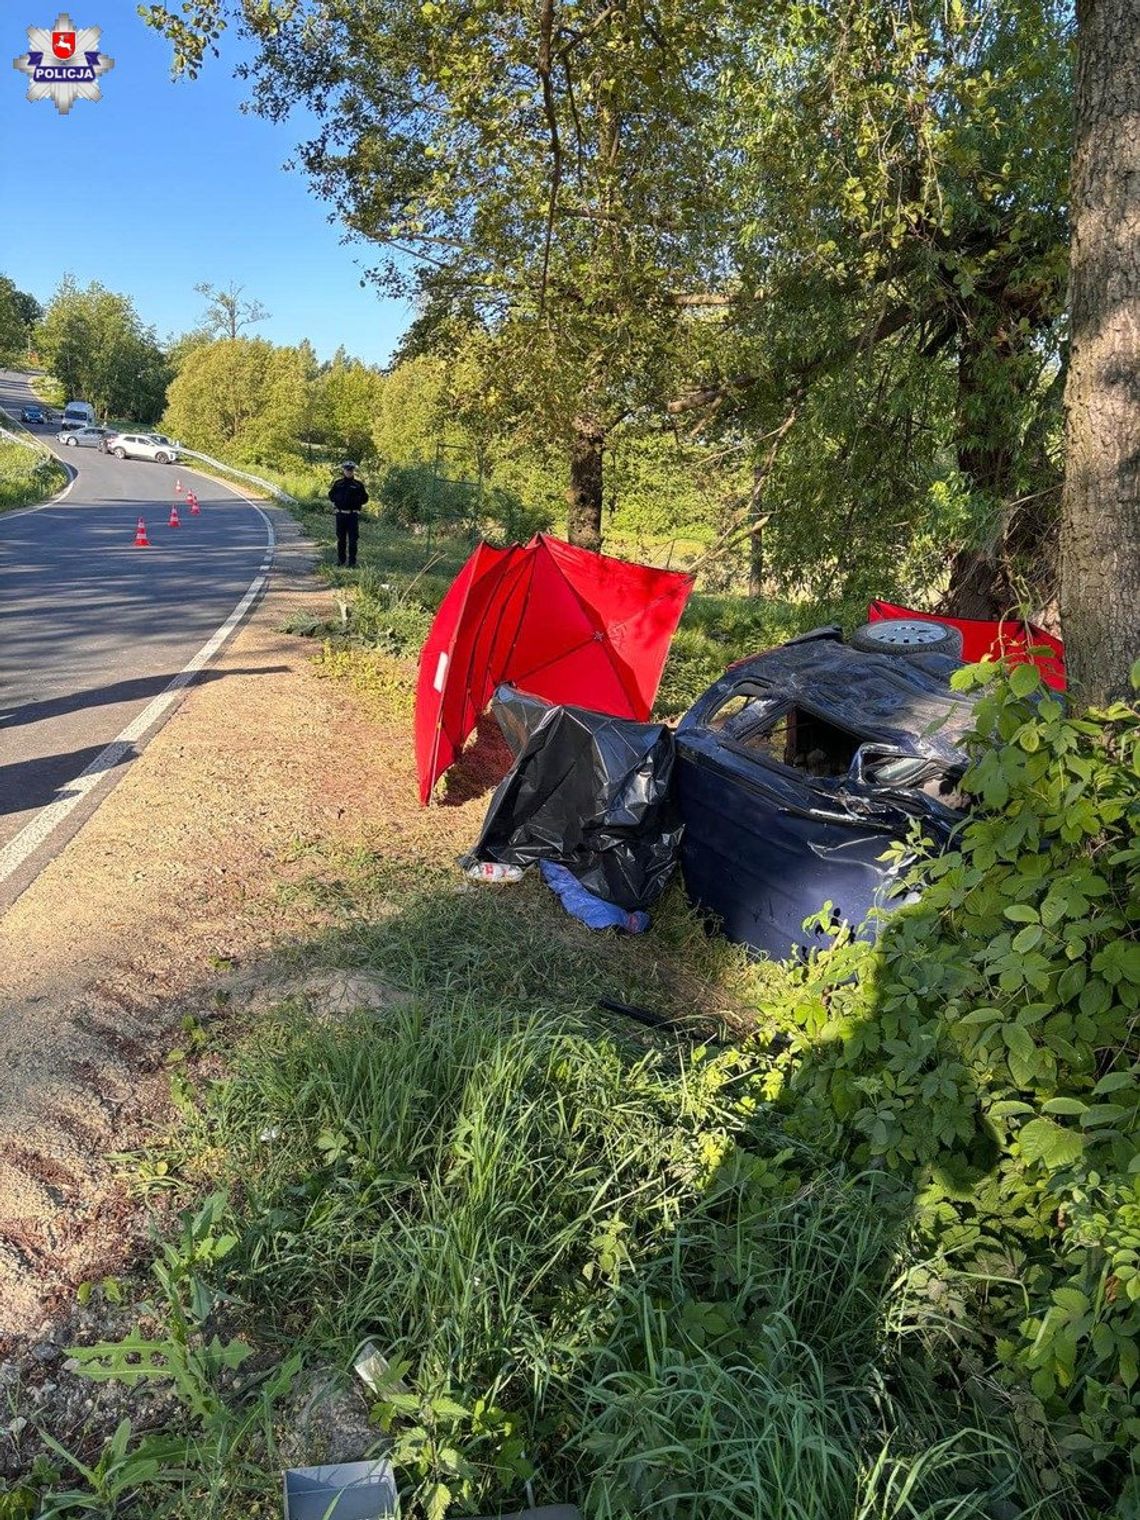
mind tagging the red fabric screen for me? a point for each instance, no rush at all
(982, 640)
(556, 621)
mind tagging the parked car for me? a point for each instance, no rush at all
(82, 437)
(142, 446)
(167, 443)
(33, 414)
(799, 767)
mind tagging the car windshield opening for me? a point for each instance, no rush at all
(790, 736)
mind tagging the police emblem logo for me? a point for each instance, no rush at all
(63, 63)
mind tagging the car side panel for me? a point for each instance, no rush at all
(761, 868)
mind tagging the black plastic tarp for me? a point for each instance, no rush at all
(586, 791)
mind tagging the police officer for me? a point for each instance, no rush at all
(348, 496)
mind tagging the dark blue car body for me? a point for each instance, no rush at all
(798, 769)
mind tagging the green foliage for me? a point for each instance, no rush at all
(95, 343)
(412, 416)
(415, 495)
(27, 477)
(347, 403)
(591, 1266)
(242, 398)
(19, 312)
(387, 618)
(987, 1048)
(900, 178)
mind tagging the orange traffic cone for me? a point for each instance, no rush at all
(174, 523)
(141, 540)
(178, 484)
(195, 510)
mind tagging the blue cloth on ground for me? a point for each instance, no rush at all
(592, 911)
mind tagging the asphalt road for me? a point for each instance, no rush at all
(93, 631)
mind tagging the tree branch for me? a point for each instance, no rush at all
(545, 45)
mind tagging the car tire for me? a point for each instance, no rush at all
(907, 638)
(120, 453)
(162, 459)
(71, 443)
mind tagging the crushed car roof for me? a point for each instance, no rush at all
(906, 703)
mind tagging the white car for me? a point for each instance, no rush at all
(142, 446)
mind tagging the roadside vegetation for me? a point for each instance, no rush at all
(27, 476)
(855, 1238)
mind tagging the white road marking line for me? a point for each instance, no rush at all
(49, 818)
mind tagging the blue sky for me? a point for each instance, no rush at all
(161, 185)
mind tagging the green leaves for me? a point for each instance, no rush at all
(1041, 1140)
(1022, 1054)
(1004, 1003)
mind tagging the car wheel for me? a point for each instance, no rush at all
(71, 443)
(907, 637)
(161, 459)
(120, 453)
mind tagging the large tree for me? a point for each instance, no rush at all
(243, 398)
(900, 188)
(97, 346)
(548, 169)
(19, 312)
(1100, 555)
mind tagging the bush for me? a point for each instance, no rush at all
(412, 495)
(987, 1048)
(516, 522)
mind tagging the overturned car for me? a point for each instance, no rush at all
(780, 791)
(796, 771)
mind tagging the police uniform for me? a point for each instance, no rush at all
(348, 497)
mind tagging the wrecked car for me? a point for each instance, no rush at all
(800, 766)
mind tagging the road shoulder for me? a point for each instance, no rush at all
(121, 936)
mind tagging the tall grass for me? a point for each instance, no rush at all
(675, 1312)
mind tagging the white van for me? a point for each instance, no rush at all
(77, 414)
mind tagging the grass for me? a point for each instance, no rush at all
(599, 1269)
(27, 477)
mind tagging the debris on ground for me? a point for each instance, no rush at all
(589, 793)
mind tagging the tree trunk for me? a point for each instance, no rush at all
(979, 579)
(1100, 509)
(756, 559)
(584, 498)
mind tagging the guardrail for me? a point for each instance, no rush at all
(266, 485)
(29, 440)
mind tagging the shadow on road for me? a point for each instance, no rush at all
(116, 691)
(33, 783)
